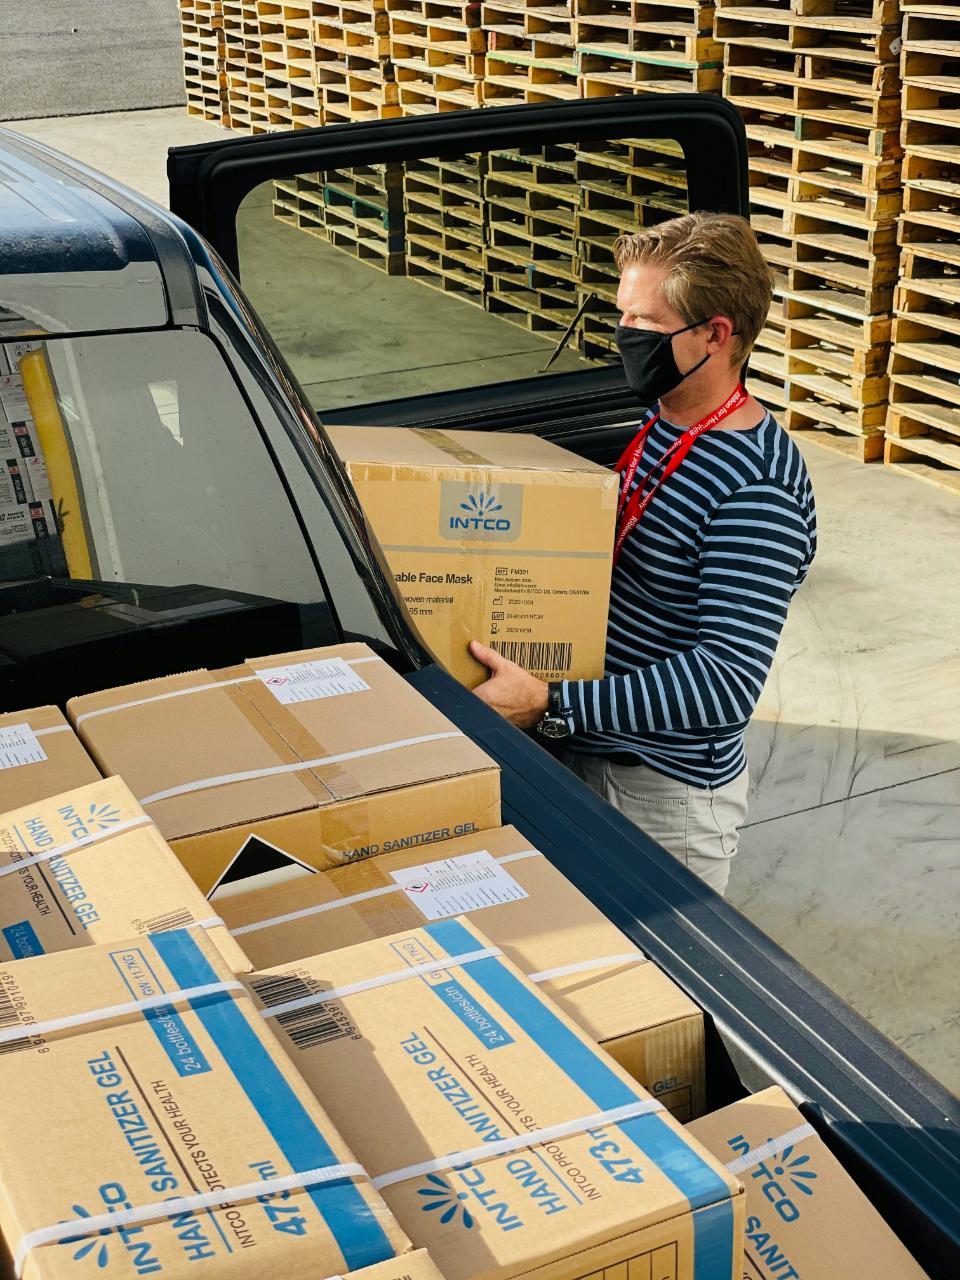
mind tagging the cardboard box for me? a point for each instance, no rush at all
(524, 905)
(805, 1215)
(449, 1074)
(491, 536)
(181, 1098)
(40, 756)
(326, 752)
(408, 1266)
(113, 876)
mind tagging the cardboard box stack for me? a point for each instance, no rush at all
(805, 1216)
(502, 1139)
(545, 926)
(178, 1111)
(40, 756)
(88, 866)
(26, 500)
(491, 536)
(327, 752)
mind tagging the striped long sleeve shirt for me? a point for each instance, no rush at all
(699, 598)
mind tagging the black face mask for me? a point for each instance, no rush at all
(648, 361)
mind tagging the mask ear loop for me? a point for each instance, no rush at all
(735, 333)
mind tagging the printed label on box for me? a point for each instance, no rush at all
(307, 681)
(457, 885)
(19, 745)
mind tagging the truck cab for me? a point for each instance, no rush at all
(192, 511)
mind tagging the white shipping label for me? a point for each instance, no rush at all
(457, 885)
(19, 745)
(307, 681)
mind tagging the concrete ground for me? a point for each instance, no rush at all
(851, 854)
(93, 55)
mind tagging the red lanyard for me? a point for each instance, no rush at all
(632, 506)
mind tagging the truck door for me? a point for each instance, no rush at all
(457, 269)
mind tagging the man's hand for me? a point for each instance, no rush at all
(519, 697)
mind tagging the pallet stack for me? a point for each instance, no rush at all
(204, 39)
(623, 186)
(923, 420)
(530, 52)
(437, 53)
(445, 222)
(646, 46)
(818, 84)
(352, 70)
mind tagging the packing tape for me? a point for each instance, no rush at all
(381, 980)
(584, 966)
(57, 1232)
(196, 688)
(270, 771)
(521, 1142)
(27, 1031)
(452, 448)
(54, 728)
(364, 896)
(772, 1147)
(61, 850)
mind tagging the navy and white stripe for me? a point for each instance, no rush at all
(698, 601)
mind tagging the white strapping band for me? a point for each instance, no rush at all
(161, 1000)
(204, 784)
(771, 1148)
(54, 728)
(61, 850)
(584, 966)
(521, 1142)
(364, 896)
(159, 1209)
(196, 688)
(381, 980)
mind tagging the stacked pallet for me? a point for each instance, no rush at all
(530, 265)
(623, 186)
(445, 223)
(818, 85)
(436, 49)
(530, 52)
(646, 46)
(203, 37)
(351, 47)
(923, 421)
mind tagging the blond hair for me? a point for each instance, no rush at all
(714, 268)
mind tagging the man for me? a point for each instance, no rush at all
(716, 531)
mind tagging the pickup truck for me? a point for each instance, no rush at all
(197, 515)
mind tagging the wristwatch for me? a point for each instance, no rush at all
(556, 720)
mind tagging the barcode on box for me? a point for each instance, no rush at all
(536, 655)
(172, 920)
(309, 1027)
(10, 1017)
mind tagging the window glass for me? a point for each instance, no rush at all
(133, 458)
(401, 279)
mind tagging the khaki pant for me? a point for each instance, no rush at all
(699, 826)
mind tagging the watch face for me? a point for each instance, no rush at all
(554, 728)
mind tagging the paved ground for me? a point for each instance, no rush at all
(851, 856)
(76, 56)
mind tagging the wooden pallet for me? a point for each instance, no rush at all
(445, 225)
(444, 249)
(934, 458)
(357, 27)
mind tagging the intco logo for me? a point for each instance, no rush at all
(489, 513)
(101, 817)
(87, 1244)
(481, 513)
(442, 1199)
(780, 1178)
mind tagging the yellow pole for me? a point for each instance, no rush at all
(52, 434)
